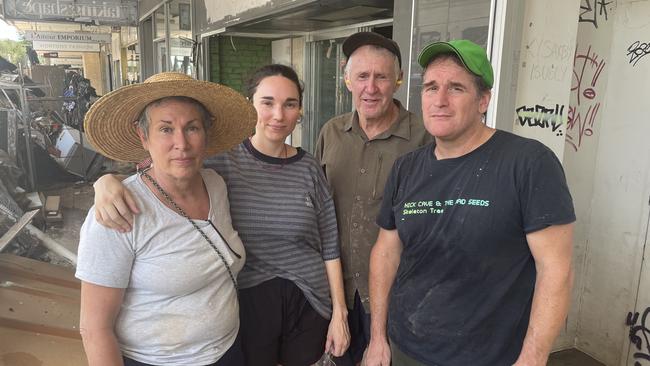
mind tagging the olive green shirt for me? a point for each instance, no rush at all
(357, 169)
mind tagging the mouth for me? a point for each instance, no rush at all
(370, 101)
(183, 161)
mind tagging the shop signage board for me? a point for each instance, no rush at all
(108, 12)
(65, 46)
(80, 37)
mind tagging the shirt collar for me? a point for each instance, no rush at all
(401, 128)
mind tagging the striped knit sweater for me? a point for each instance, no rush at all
(284, 213)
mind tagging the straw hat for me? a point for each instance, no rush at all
(110, 126)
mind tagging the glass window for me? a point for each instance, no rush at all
(443, 20)
(129, 35)
(160, 56)
(180, 34)
(159, 26)
(132, 65)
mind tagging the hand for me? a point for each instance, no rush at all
(377, 353)
(338, 334)
(114, 205)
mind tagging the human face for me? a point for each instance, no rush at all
(452, 108)
(277, 103)
(372, 80)
(176, 140)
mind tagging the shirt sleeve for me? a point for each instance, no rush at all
(326, 217)
(386, 216)
(544, 193)
(105, 256)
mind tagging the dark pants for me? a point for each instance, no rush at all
(279, 326)
(359, 323)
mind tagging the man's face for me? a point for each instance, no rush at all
(451, 105)
(372, 80)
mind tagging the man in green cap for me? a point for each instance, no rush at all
(472, 265)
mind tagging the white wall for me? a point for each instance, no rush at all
(608, 165)
(544, 75)
(543, 90)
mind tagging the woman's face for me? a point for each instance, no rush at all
(176, 139)
(278, 108)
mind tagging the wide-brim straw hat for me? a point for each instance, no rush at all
(111, 126)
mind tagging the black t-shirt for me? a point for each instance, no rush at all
(464, 286)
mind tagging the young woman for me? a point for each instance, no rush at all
(292, 305)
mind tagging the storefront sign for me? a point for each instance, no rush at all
(109, 12)
(68, 37)
(65, 46)
(51, 54)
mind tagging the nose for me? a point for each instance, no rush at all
(180, 139)
(278, 112)
(441, 98)
(371, 85)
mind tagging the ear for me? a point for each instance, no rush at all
(399, 80)
(348, 84)
(484, 101)
(143, 138)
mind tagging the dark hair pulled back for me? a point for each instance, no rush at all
(272, 70)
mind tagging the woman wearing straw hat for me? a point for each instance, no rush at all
(166, 292)
(292, 305)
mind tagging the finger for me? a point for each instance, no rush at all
(130, 201)
(114, 219)
(123, 210)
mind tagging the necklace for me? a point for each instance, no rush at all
(182, 213)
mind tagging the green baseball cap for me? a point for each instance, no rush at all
(472, 55)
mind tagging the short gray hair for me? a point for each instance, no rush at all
(382, 50)
(143, 120)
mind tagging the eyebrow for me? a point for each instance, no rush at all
(170, 122)
(288, 99)
(452, 84)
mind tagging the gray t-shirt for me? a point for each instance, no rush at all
(180, 306)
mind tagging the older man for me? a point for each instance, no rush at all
(357, 151)
(472, 265)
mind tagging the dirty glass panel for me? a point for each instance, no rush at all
(331, 96)
(180, 34)
(159, 23)
(443, 20)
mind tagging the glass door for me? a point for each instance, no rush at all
(327, 93)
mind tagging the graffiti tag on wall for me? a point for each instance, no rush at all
(593, 10)
(637, 50)
(542, 117)
(587, 67)
(639, 336)
(546, 57)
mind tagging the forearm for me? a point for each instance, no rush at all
(101, 347)
(383, 268)
(550, 306)
(337, 292)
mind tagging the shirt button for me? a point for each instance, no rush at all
(358, 198)
(363, 170)
(354, 224)
(356, 274)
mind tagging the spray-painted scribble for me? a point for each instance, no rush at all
(593, 10)
(587, 67)
(637, 50)
(639, 335)
(542, 117)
